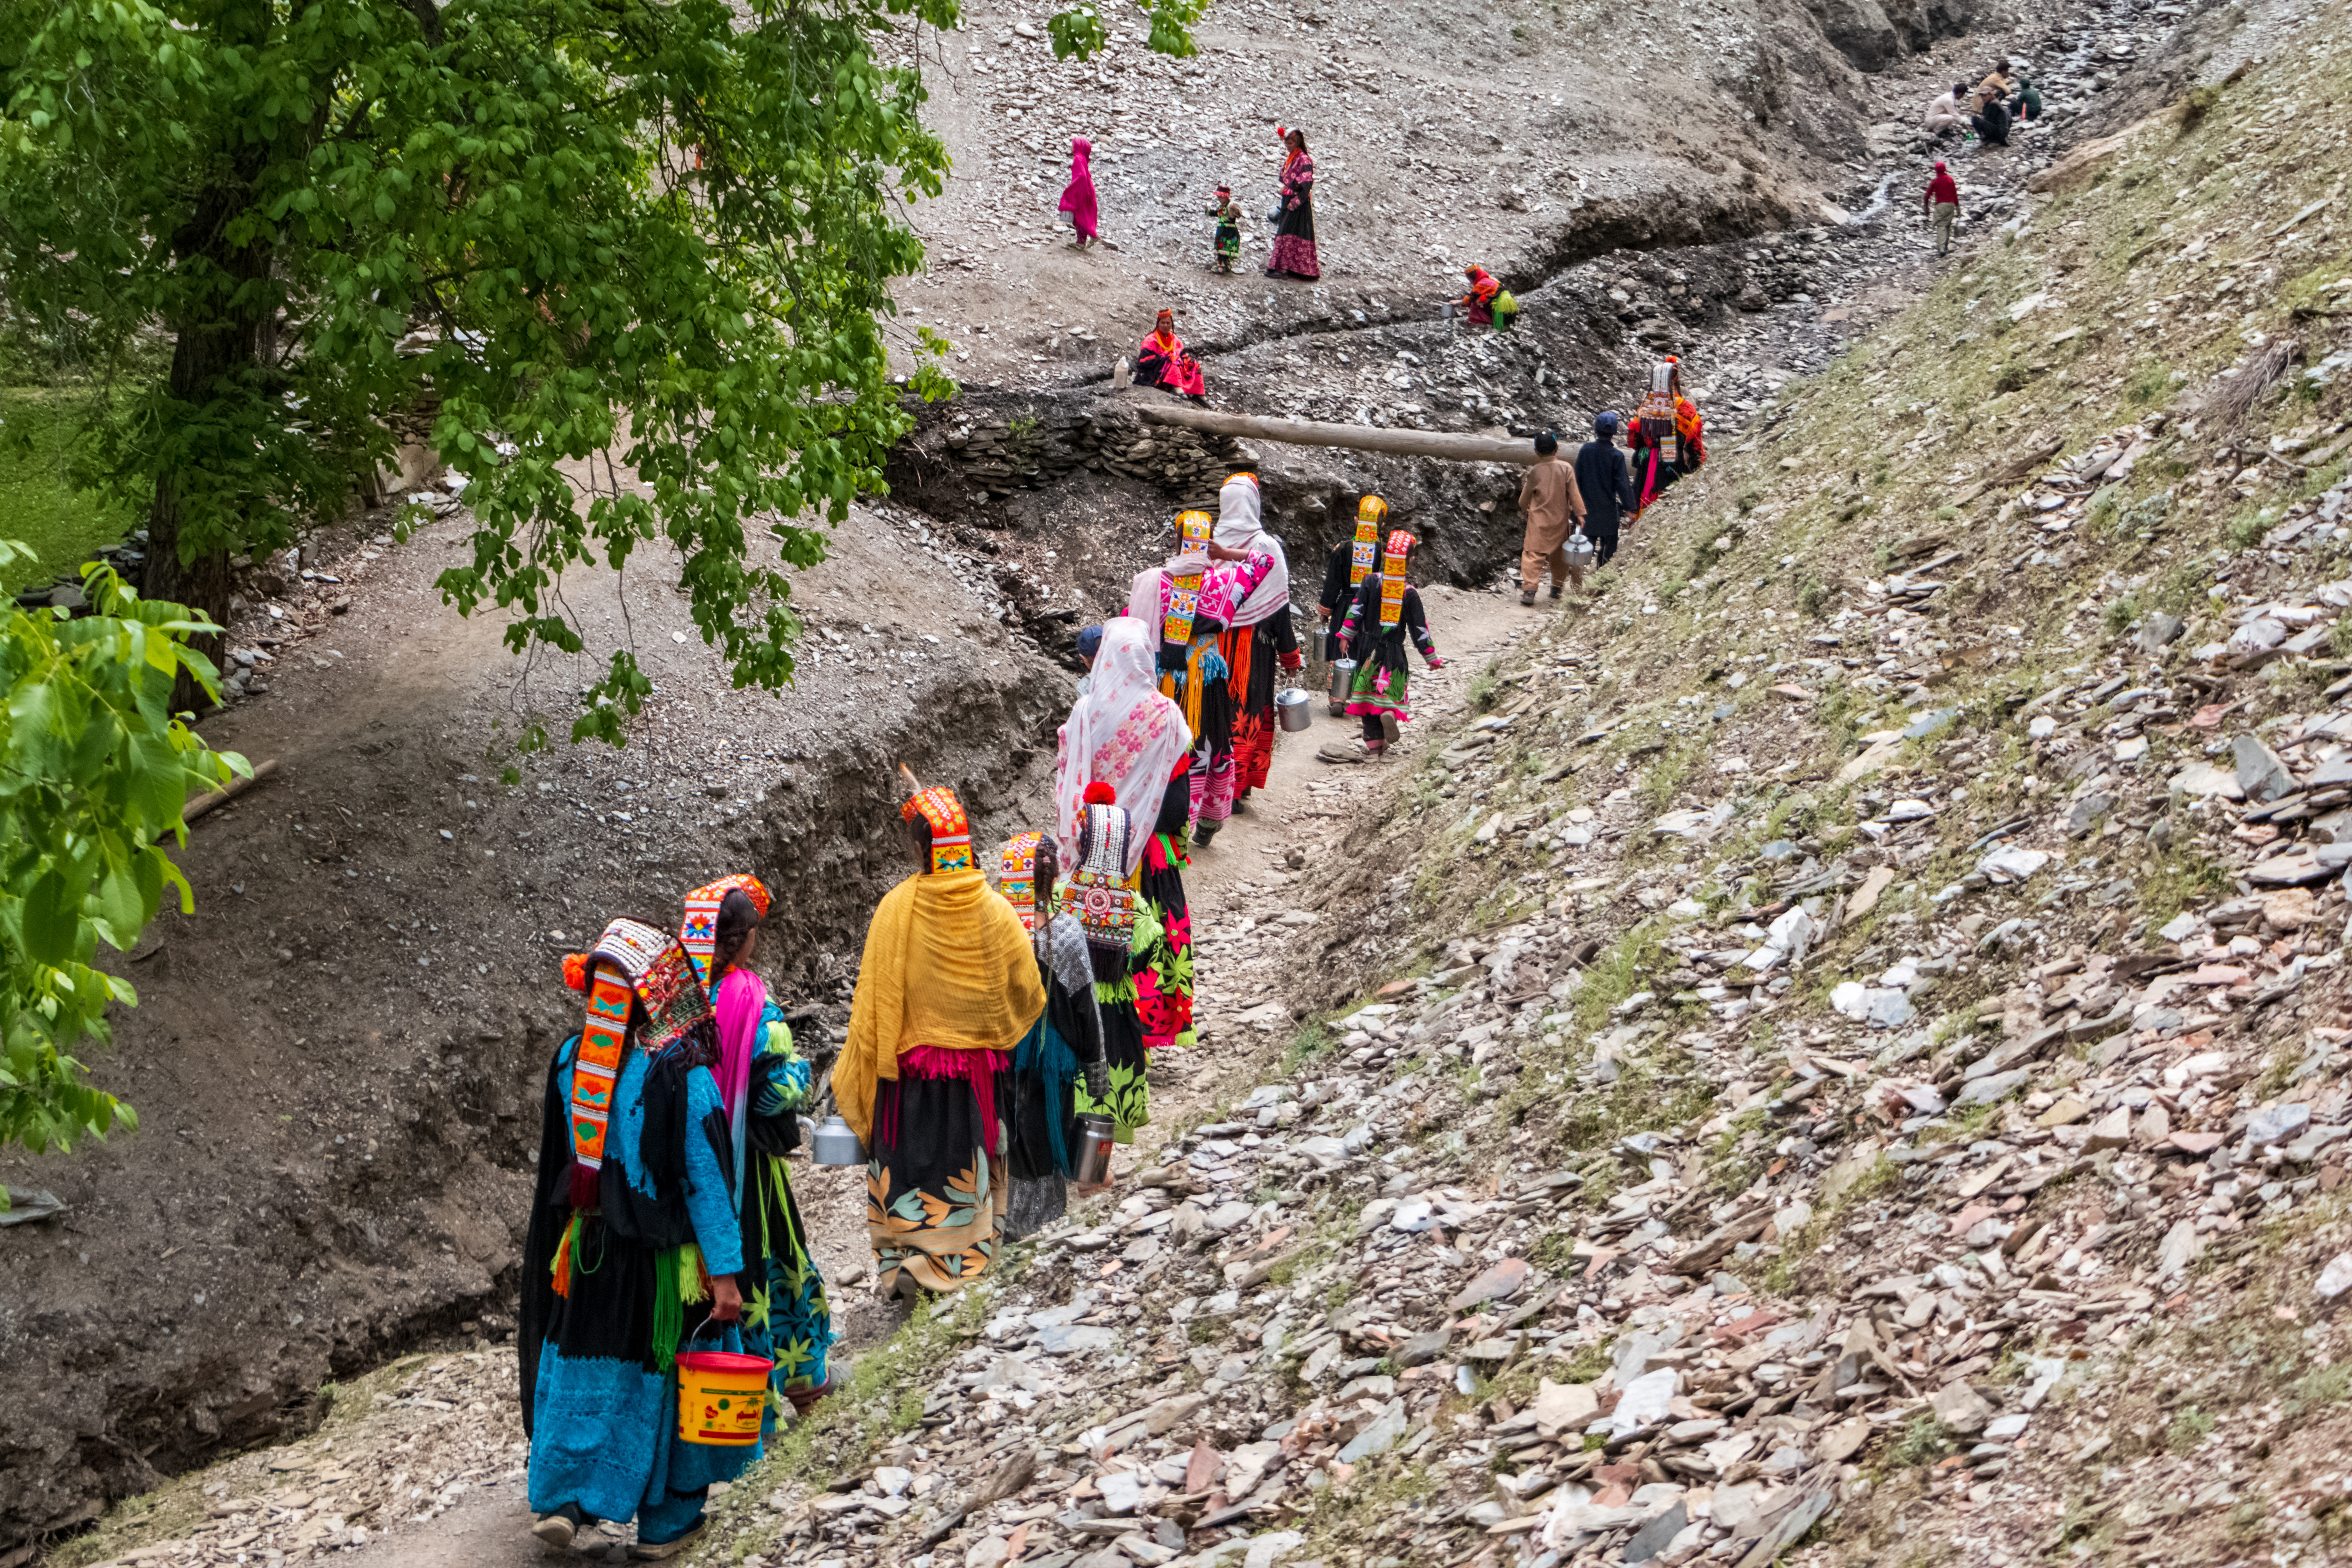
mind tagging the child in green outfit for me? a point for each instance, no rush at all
(1228, 214)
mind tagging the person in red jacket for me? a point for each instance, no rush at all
(1479, 302)
(1942, 200)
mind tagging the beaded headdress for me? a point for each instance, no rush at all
(1392, 579)
(1368, 513)
(699, 934)
(951, 829)
(1017, 876)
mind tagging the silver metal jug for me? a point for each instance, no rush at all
(1343, 678)
(1290, 710)
(834, 1144)
(1097, 1138)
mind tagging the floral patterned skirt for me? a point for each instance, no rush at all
(935, 1187)
(1163, 978)
(785, 1315)
(1376, 690)
(1130, 1104)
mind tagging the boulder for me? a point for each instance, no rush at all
(2080, 167)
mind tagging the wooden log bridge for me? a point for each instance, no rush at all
(1357, 437)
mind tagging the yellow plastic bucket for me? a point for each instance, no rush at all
(720, 1397)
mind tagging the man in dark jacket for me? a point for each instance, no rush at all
(1992, 122)
(1605, 485)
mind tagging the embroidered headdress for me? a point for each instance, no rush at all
(1183, 600)
(951, 829)
(1400, 544)
(1102, 890)
(1018, 877)
(1368, 513)
(630, 959)
(699, 935)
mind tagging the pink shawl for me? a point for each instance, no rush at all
(1078, 200)
(742, 997)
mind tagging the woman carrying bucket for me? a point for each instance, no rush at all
(629, 1272)
(764, 1084)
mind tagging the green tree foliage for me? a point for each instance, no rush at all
(659, 229)
(95, 770)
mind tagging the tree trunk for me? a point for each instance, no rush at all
(1356, 437)
(216, 347)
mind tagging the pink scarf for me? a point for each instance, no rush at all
(1078, 200)
(742, 997)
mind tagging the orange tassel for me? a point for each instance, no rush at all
(563, 1266)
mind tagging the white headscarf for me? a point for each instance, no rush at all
(1123, 732)
(1239, 528)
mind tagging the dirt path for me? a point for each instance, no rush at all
(425, 1456)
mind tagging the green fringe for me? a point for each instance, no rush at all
(669, 1308)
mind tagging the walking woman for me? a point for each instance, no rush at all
(1385, 612)
(1065, 1041)
(1122, 930)
(634, 1249)
(1190, 599)
(1078, 195)
(1122, 732)
(1163, 978)
(947, 988)
(1261, 635)
(1294, 232)
(1351, 562)
(763, 1085)
(1668, 438)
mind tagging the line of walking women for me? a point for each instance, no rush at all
(992, 1033)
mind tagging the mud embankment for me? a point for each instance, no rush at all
(339, 1061)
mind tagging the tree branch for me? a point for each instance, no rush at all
(428, 20)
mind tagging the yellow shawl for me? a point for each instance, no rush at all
(947, 965)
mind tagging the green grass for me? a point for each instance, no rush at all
(40, 434)
(2188, 1429)
(1923, 1441)
(2246, 530)
(1312, 1041)
(2329, 1385)
(2175, 882)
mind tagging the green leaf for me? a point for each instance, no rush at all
(52, 920)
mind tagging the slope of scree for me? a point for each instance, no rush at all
(1844, 1059)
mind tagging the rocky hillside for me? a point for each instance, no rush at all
(1843, 1056)
(1844, 1059)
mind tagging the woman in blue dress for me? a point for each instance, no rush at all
(634, 1251)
